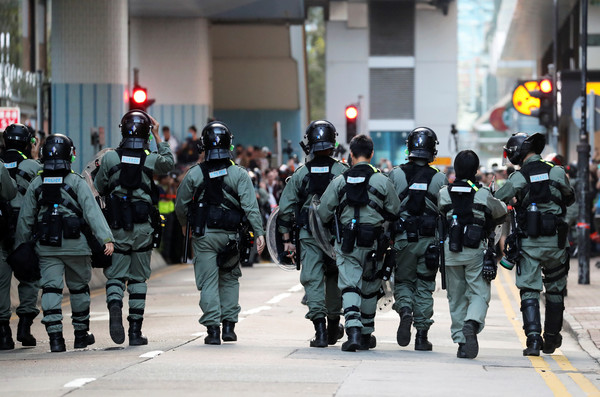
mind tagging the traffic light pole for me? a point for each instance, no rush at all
(583, 170)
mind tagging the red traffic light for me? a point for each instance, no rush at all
(139, 95)
(546, 86)
(351, 112)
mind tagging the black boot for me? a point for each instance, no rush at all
(6, 340)
(213, 336)
(117, 332)
(530, 308)
(24, 330)
(471, 347)
(136, 338)
(57, 342)
(461, 352)
(83, 339)
(353, 342)
(403, 333)
(552, 326)
(320, 339)
(421, 342)
(335, 330)
(367, 341)
(228, 331)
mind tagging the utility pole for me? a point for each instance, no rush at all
(583, 160)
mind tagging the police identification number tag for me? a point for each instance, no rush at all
(130, 160)
(53, 180)
(11, 165)
(319, 170)
(218, 173)
(418, 186)
(460, 189)
(355, 179)
(539, 178)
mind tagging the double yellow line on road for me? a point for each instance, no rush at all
(540, 364)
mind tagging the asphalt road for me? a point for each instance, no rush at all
(272, 356)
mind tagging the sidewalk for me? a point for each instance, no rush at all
(582, 308)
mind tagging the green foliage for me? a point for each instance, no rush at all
(315, 53)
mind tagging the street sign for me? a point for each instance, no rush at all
(9, 116)
(593, 110)
(447, 161)
(522, 99)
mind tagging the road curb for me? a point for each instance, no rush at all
(574, 327)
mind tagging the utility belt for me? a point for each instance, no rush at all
(469, 236)
(53, 228)
(416, 226)
(538, 224)
(215, 217)
(360, 235)
(122, 213)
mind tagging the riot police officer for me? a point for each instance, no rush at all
(218, 197)
(318, 273)
(59, 209)
(417, 184)
(18, 140)
(364, 199)
(125, 179)
(472, 212)
(8, 191)
(542, 192)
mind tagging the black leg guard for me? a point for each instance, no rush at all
(24, 330)
(117, 332)
(213, 336)
(6, 340)
(403, 333)
(552, 326)
(335, 331)
(136, 338)
(421, 341)
(471, 346)
(353, 343)
(320, 339)
(530, 308)
(228, 331)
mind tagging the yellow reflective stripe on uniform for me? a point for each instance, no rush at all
(374, 168)
(24, 157)
(435, 168)
(548, 162)
(473, 185)
(147, 152)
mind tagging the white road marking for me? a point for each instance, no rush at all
(278, 298)
(199, 334)
(255, 310)
(152, 354)
(100, 317)
(296, 288)
(79, 382)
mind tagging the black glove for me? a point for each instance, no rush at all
(490, 269)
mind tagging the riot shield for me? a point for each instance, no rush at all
(89, 173)
(275, 245)
(384, 304)
(321, 234)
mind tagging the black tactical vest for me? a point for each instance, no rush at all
(418, 178)
(214, 186)
(12, 158)
(132, 167)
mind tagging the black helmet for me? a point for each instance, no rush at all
(320, 135)
(58, 152)
(18, 136)
(466, 165)
(520, 144)
(421, 144)
(135, 128)
(216, 141)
